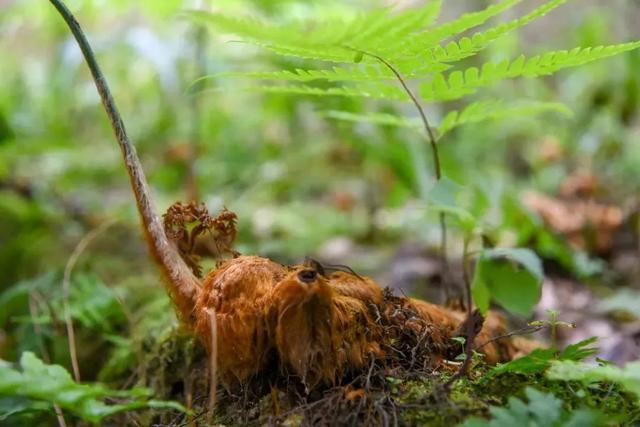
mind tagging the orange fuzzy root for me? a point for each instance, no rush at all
(322, 327)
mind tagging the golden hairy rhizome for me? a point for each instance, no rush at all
(321, 327)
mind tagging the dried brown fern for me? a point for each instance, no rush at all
(184, 224)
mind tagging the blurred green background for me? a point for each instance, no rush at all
(300, 183)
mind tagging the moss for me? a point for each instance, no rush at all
(175, 366)
(475, 397)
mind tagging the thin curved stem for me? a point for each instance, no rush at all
(213, 366)
(432, 138)
(66, 292)
(184, 286)
(436, 162)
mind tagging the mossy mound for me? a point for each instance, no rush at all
(177, 368)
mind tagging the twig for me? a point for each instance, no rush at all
(466, 277)
(443, 255)
(522, 331)
(464, 368)
(213, 366)
(472, 324)
(59, 415)
(66, 287)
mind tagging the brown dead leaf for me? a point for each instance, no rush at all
(582, 184)
(586, 224)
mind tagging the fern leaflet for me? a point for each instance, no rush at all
(460, 83)
(376, 91)
(423, 41)
(364, 73)
(497, 109)
(378, 31)
(473, 113)
(469, 46)
(376, 118)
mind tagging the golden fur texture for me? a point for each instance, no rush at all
(240, 293)
(320, 327)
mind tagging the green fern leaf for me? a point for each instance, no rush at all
(376, 91)
(40, 382)
(247, 28)
(364, 73)
(469, 46)
(497, 109)
(323, 42)
(401, 40)
(628, 377)
(377, 32)
(540, 409)
(376, 118)
(327, 53)
(393, 30)
(424, 41)
(473, 113)
(460, 83)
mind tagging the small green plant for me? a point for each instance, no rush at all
(44, 386)
(540, 410)
(553, 323)
(627, 377)
(496, 272)
(539, 360)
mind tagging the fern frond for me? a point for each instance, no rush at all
(377, 31)
(366, 72)
(376, 91)
(323, 42)
(469, 46)
(497, 109)
(419, 67)
(459, 83)
(376, 118)
(335, 74)
(393, 29)
(473, 113)
(245, 27)
(419, 43)
(327, 53)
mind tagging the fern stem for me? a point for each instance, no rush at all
(183, 285)
(436, 163)
(443, 254)
(423, 116)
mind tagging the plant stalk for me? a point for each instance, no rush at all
(183, 285)
(436, 162)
